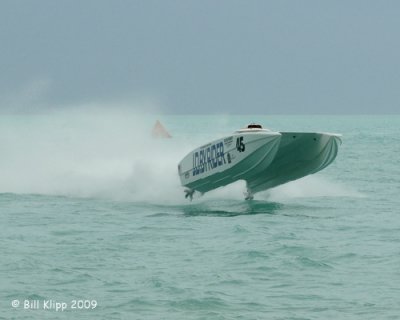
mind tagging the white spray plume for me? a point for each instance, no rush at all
(312, 186)
(108, 155)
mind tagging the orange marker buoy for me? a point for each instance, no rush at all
(159, 131)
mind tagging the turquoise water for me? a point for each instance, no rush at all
(91, 209)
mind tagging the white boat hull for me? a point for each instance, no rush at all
(262, 158)
(299, 155)
(204, 170)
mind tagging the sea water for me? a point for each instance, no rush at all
(94, 224)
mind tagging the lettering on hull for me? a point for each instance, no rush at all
(208, 158)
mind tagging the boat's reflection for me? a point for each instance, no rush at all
(231, 209)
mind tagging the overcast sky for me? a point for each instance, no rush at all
(226, 56)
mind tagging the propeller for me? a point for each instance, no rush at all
(189, 194)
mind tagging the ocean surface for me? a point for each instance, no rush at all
(94, 224)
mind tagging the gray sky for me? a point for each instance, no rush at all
(226, 56)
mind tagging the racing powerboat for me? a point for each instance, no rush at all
(263, 158)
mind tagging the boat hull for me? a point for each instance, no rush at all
(299, 155)
(241, 156)
(264, 159)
